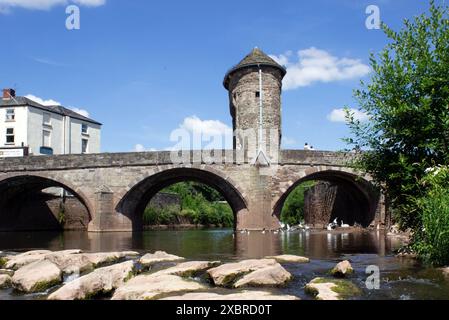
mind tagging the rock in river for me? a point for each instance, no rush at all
(101, 258)
(189, 269)
(153, 286)
(100, 281)
(342, 269)
(5, 281)
(244, 295)
(331, 289)
(288, 258)
(250, 273)
(37, 276)
(159, 256)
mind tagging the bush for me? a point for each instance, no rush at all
(293, 210)
(431, 241)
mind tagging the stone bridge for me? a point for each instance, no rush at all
(115, 188)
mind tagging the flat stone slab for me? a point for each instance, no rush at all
(101, 258)
(331, 289)
(5, 281)
(189, 269)
(150, 287)
(342, 269)
(159, 256)
(288, 258)
(102, 280)
(37, 276)
(244, 295)
(250, 273)
(17, 261)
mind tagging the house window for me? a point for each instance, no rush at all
(84, 143)
(47, 119)
(10, 115)
(84, 129)
(10, 135)
(46, 138)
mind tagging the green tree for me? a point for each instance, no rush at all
(293, 210)
(406, 102)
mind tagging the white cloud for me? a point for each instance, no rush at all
(49, 102)
(315, 65)
(139, 148)
(288, 141)
(7, 5)
(82, 112)
(339, 115)
(212, 134)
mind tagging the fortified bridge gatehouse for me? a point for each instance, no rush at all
(112, 190)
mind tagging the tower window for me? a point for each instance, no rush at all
(257, 94)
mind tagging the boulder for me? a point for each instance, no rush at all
(331, 289)
(17, 261)
(244, 295)
(189, 269)
(159, 256)
(100, 281)
(71, 263)
(288, 258)
(102, 258)
(37, 276)
(250, 273)
(5, 281)
(342, 269)
(150, 287)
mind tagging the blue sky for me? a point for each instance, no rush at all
(144, 68)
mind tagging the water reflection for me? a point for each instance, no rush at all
(208, 244)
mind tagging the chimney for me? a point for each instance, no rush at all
(8, 94)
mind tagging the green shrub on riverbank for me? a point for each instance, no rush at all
(293, 210)
(200, 204)
(431, 241)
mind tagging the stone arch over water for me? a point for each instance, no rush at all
(342, 194)
(27, 205)
(134, 202)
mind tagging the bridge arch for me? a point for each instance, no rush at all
(16, 190)
(133, 203)
(361, 195)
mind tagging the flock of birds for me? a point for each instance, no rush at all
(302, 226)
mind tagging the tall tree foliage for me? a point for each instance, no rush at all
(407, 102)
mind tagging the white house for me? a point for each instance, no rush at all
(29, 128)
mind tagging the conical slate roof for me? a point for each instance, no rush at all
(255, 58)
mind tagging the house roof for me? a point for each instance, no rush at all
(255, 58)
(24, 101)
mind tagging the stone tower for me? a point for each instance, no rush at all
(255, 86)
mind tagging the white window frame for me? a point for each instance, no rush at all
(82, 145)
(83, 125)
(10, 115)
(49, 138)
(10, 135)
(49, 119)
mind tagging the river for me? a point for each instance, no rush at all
(401, 278)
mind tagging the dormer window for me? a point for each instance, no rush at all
(84, 129)
(10, 115)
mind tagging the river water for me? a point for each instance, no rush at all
(400, 278)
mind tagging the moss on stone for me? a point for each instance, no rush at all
(3, 261)
(44, 285)
(344, 288)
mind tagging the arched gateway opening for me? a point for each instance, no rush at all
(35, 203)
(136, 200)
(326, 196)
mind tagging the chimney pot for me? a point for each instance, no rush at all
(8, 94)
